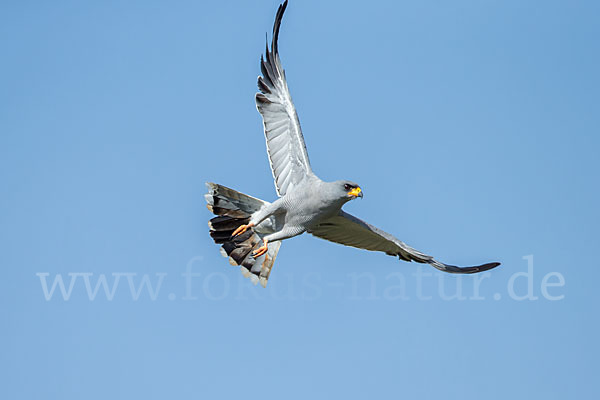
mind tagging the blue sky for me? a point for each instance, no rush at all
(472, 127)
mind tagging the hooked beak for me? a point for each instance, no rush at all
(356, 192)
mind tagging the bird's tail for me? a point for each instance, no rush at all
(233, 209)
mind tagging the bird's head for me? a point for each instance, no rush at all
(348, 190)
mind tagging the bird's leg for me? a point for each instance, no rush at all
(241, 229)
(285, 233)
(261, 250)
(258, 217)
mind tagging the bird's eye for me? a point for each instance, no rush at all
(347, 187)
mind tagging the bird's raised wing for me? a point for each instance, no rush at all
(351, 231)
(285, 143)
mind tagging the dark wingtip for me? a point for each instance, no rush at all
(277, 24)
(487, 266)
(453, 269)
(269, 63)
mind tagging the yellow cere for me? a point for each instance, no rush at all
(355, 192)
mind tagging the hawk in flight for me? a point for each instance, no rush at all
(251, 230)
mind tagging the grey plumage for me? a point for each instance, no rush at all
(305, 203)
(285, 144)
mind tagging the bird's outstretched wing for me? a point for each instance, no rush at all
(285, 143)
(351, 231)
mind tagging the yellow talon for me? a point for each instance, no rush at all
(241, 229)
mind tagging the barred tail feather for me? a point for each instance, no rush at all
(233, 209)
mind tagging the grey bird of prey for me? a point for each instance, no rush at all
(251, 230)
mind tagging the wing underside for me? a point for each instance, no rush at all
(351, 231)
(285, 144)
